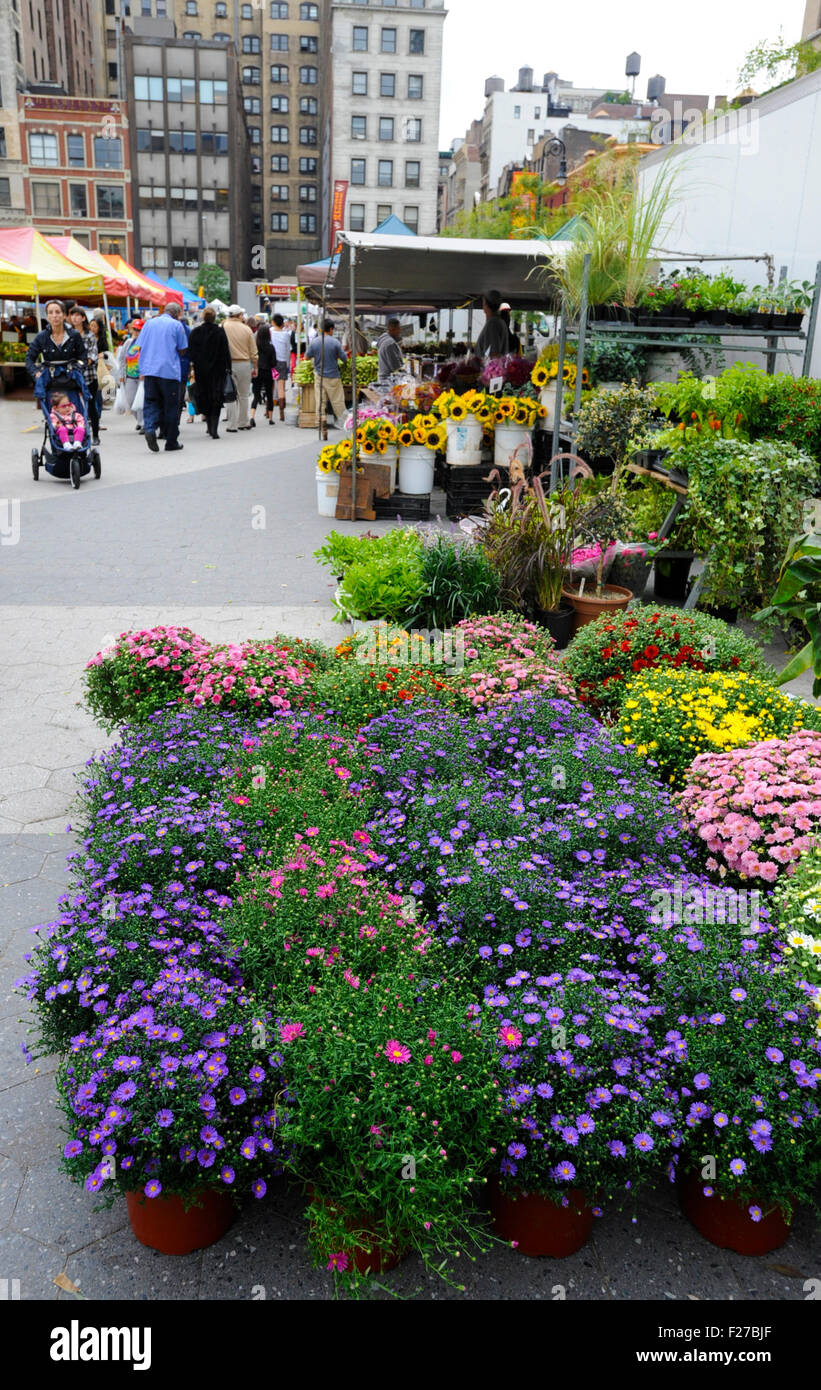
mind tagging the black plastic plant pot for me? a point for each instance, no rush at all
(760, 320)
(718, 317)
(559, 623)
(651, 458)
(647, 320)
(725, 611)
(794, 320)
(672, 574)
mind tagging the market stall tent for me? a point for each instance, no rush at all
(189, 299)
(141, 288)
(316, 272)
(37, 269)
(115, 285)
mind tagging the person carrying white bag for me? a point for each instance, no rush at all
(128, 375)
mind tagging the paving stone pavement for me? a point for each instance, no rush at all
(174, 541)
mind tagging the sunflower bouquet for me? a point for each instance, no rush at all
(517, 410)
(375, 436)
(451, 406)
(334, 456)
(546, 372)
(422, 429)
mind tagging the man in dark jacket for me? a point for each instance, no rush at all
(493, 341)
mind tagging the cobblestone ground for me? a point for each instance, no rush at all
(218, 538)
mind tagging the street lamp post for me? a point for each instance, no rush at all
(557, 147)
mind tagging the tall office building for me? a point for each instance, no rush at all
(384, 95)
(189, 153)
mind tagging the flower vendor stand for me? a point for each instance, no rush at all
(163, 1223)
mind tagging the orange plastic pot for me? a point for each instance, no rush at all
(726, 1222)
(376, 1260)
(163, 1224)
(588, 607)
(539, 1226)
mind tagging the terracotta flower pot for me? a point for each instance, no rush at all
(379, 1258)
(539, 1226)
(726, 1222)
(163, 1224)
(587, 607)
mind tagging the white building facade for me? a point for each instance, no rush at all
(386, 76)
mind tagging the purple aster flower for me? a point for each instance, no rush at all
(773, 1054)
(661, 1118)
(165, 1118)
(187, 1153)
(153, 1188)
(755, 1212)
(227, 1174)
(205, 1157)
(738, 1166)
(720, 1119)
(72, 1148)
(701, 1081)
(259, 1187)
(237, 1096)
(564, 1171)
(545, 1090)
(570, 1134)
(643, 1141)
(517, 1150)
(208, 1134)
(585, 1124)
(248, 1147)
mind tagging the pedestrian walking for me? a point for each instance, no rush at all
(244, 358)
(389, 353)
(79, 322)
(57, 343)
(291, 326)
(493, 341)
(162, 345)
(211, 364)
(264, 379)
(281, 342)
(128, 368)
(327, 351)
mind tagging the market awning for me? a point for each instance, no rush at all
(116, 286)
(316, 272)
(34, 267)
(140, 288)
(189, 299)
(397, 271)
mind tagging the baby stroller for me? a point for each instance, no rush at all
(73, 464)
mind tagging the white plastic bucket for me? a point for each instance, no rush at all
(548, 400)
(416, 470)
(464, 441)
(327, 491)
(507, 440)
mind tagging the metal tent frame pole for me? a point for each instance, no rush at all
(813, 323)
(354, 459)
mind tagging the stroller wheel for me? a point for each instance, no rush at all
(74, 471)
(35, 464)
(94, 460)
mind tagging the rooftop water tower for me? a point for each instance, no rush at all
(632, 68)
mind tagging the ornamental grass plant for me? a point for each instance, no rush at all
(672, 716)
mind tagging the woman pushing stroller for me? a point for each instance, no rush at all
(56, 344)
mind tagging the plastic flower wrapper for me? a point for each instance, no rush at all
(514, 371)
(180, 1090)
(747, 1060)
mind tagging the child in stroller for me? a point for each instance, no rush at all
(66, 422)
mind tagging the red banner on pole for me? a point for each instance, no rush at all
(338, 210)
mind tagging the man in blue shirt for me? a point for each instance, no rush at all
(162, 345)
(332, 388)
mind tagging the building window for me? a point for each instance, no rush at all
(308, 106)
(308, 43)
(256, 222)
(252, 105)
(359, 84)
(384, 175)
(387, 84)
(179, 89)
(148, 89)
(77, 200)
(256, 192)
(417, 4)
(76, 148)
(279, 163)
(307, 222)
(108, 154)
(256, 162)
(185, 199)
(357, 171)
(3, 154)
(279, 135)
(531, 137)
(279, 43)
(155, 257)
(309, 76)
(388, 44)
(309, 12)
(410, 217)
(416, 85)
(279, 73)
(360, 38)
(182, 141)
(356, 217)
(537, 113)
(152, 197)
(215, 141)
(417, 41)
(308, 135)
(279, 104)
(307, 192)
(150, 141)
(280, 193)
(46, 199)
(112, 72)
(279, 9)
(307, 164)
(254, 135)
(250, 43)
(221, 10)
(247, 12)
(386, 127)
(43, 150)
(190, 6)
(213, 92)
(191, 35)
(111, 200)
(359, 127)
(383, 212)
(389, 4)
(5, 193)
(517, 113)
(413, 173)
(413, 129)
(251, 75)
(279, 221)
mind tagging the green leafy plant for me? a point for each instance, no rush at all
(338, 550)
(459, 580)
(613, 361)
(214, 281)
(388, 584)
(610, 419)
(797, 598)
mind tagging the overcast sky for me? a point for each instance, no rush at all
(698, 45)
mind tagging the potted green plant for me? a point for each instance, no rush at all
(797, 598)
(386, 584)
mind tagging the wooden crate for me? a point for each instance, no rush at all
(374, 481)
(307, 407)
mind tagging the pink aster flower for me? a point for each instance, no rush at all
(290, 1031)
(396, 1052)
(511, 1037)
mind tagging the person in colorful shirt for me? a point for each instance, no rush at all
(128, 368)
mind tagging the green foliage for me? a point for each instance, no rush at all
(747, 500)
(779, 61)
(798, 598)
(388, 583)
(215, 281)
(459, 580)
(606, 360)
(610, 419)
(338, 551)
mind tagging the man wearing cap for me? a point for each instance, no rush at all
(244, 360)
(163, 343)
